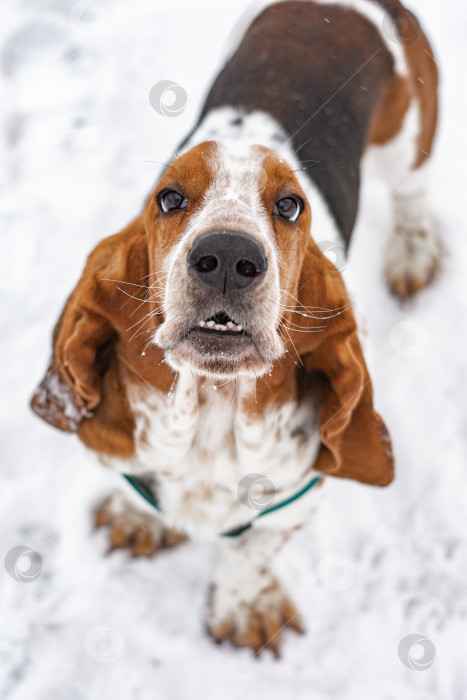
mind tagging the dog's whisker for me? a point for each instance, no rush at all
(132, 284)
(306, 330)
(293, 344)
(293, 325)
(150, 315)
(145, 301)
(141, 329)
(308, 314)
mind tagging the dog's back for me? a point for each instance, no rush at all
(337, 78)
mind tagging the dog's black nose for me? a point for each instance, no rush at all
(227, 261)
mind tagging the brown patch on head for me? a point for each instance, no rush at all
(291, 239)
(191, 175)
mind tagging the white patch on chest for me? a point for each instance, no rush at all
(197, 443)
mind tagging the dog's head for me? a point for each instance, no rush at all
(219, 275)
(227, 233)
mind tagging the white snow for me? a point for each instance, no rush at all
(82, 150)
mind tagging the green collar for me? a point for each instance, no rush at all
(145, 492)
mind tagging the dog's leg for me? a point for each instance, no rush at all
(413, 251)
(143, 533)
(403, 163)
(247, 605)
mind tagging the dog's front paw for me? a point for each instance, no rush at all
(257, 623)
(143, 534)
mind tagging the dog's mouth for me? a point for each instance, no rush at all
(222, 344)
(219, 333)
(220, 324)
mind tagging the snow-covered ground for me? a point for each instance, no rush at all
(81, 150)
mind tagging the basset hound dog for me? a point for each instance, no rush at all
(210, 354)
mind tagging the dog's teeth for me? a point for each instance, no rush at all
(229, 326)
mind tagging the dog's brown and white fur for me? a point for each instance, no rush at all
(311, 88)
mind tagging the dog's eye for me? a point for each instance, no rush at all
(171, 200)
(288, 208)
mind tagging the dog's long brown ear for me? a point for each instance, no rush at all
(89, 325)
(355, 442)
